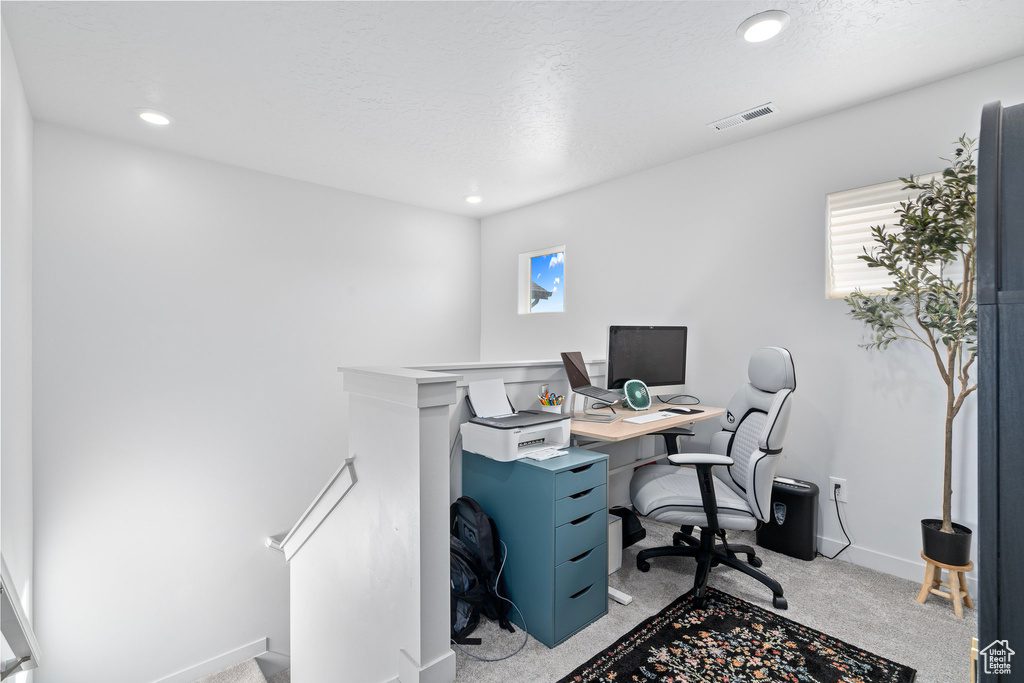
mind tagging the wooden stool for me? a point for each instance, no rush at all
(956, 584)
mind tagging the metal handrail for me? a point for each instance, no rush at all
(15, 665)
(349, 464)
(16, 628)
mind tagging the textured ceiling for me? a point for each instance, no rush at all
(426, 102)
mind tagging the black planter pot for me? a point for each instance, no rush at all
(953, 549)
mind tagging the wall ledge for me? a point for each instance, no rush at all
(406, 386)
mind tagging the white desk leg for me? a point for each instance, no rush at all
(618, 596)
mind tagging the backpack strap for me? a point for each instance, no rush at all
(489, 555)
(468, 594)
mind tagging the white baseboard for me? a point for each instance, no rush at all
(270, 662)
(912, 570)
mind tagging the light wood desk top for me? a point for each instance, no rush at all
(621, 430)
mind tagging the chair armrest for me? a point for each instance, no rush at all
(705, 479)
(699, 459)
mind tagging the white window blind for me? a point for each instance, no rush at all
(851, 215)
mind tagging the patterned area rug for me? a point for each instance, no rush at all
(731, 640)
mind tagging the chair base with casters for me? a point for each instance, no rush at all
(728, 487)
(710, 553)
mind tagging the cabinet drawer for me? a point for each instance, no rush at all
(579, 609)
(579, 479)
(573, 575)
(573, 538)
(579, 504)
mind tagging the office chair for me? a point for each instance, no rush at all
(671, 436)
(728, 488)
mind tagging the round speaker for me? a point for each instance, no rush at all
(637, 396)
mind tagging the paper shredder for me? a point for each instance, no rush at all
(792, 528)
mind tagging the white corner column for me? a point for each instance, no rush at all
(370, 582)
(404, 414)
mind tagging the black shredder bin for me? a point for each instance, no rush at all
(792, 528)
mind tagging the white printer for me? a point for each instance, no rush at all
(498, 432)
(515, 436)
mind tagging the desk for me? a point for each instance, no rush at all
(621, 430)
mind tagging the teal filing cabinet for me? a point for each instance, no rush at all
(552, 516)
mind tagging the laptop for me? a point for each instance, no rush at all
(579, 380)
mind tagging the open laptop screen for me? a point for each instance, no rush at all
(575, 369)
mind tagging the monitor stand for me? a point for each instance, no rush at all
(588, 416)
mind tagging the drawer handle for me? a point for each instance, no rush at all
(581, 593)
(583, 468)
(580, 494)
(581, 519)
(581, 556)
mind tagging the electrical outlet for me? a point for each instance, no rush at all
(843, 493)
(543, 389)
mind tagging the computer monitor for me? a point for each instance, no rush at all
(655, 355)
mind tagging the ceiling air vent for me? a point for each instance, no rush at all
(743, 117)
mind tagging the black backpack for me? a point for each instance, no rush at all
(476, 584)
(468, 592)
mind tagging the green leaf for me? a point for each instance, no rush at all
(932, 238)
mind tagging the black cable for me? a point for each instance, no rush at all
(671, 400)
(451, 453)
(525, 634)
(835, 497)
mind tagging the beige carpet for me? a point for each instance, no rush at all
(243, 672)
(246, 672)
(281, 677)
(863, 607)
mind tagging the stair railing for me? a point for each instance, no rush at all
(322, 505)
(16, 628)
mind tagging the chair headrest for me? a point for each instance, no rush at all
(771, 369)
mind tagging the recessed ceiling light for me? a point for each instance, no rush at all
(474, 199)
(763, 26)
(157, 118)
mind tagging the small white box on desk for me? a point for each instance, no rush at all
(514, 442)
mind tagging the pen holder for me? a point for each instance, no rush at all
(552, 409)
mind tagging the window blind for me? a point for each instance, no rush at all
(851, 215)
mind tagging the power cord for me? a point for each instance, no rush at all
(835, 497)
(451, 453)
(504, 556)
(672, 400)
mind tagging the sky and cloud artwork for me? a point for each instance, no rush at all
(547, 278)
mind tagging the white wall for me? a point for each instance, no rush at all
(732, 244)
(16, 329)
(189, 321)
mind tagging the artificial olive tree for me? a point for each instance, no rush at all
(929, 253)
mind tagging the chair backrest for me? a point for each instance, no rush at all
(754, 426)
